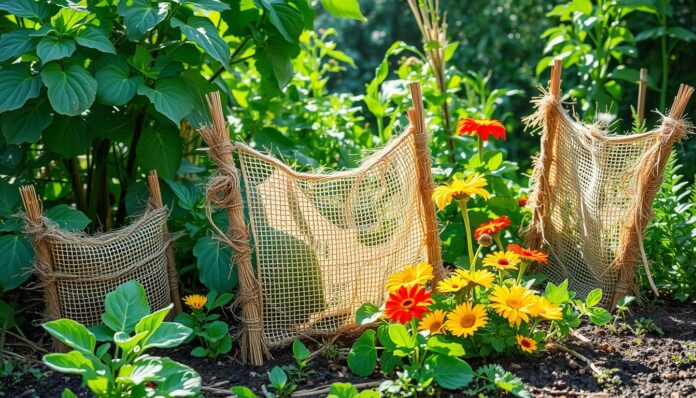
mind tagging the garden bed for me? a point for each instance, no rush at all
(648, 364)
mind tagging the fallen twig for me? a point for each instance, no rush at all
(217, 391)
(574, 393)
(579, 336)
(581, 357)
(325, 389)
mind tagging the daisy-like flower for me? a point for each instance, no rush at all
(195, 301)
(473, 184)
(483, 278)
(484, 128)
(529, 254)
(526, 344)
(417, 274)
(543, 308)
(502, 260)
(434, 322)
(466, 319)
(452, 284)
(407, 303)
(492, 227)
(513, 304)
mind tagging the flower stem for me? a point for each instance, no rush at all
(467, 225)
(523, 267)
(480, 149)
(496, 237)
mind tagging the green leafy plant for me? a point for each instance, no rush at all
(126, 370)
(278, 380)
(646, 326)
(621, 311)
(493, 379)
(211, 332)
(300, 369)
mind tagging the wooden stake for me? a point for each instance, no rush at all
(425, 180)
(555, 83)
(642, 87)
(156, 200)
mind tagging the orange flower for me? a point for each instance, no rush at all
(407, 303)
(481, 127)
(529, 254)
(492, 227)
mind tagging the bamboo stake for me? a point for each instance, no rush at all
(156, 200)
(43, 260)
(555, 83)
(425, 181)
(224, 190)
(642, 87)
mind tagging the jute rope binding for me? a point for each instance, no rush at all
(643, 157)
(287, 226)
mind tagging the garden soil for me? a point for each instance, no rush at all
(646, 364)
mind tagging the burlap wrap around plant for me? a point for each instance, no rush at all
(323, 243)
(593, 192)
(77, 270)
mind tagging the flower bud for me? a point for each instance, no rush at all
(485, 240)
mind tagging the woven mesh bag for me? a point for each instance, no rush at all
(323, 243)
(77, 271)
(593, 192)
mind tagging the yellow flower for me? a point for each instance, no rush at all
(481, 277)
(526, 344)
(434, 322)
(513, 304)
(466, 319)
(460, 189)
(195, 301)
(543, 308)
(452, 284)
(502, 260)
(418, 274)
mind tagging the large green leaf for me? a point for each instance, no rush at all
(362, 357)
(151, 322)
(18, 255)
(178, 380)
(214, 265)
(450, 372)
(140, 16)
(69, 19)
(71, 90)
(36, 10)
(73, 334)
(211, 5)
(171, 97)
(202, 32)
(344, 9)
(16, 43)
(92, 37)
(160, 149)
(51, 48)
(168, 335)
(17, 86)
(288, 20)
(126, 342)
(26, 123)
(68, 218)
(67, 136)
(9, 198)
(278, 62)
(125, 306)
(73, 362)
(115, 86)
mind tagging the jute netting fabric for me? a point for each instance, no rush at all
(78, 270)
(323, 243)
(326, 243)
(592, 195)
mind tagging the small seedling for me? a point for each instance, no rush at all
(688, 357)
(646, 326)
(278, 380)
(622, 310)
(608, 377)
(300, 369)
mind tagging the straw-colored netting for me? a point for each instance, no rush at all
(592, 196)
(323, 243)
(326, 243)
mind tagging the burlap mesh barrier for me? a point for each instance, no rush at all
(323, 243)
(78, 270)
(592, 195)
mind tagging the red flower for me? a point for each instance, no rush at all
(492, 227)
(481, 127)
(523, 201)
(529, 254)
(407, 303)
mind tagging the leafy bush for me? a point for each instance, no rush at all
(212, 333)
(126, 371)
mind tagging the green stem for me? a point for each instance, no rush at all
(467, 226)
(496, 237)
(665, 72)
(480, 149)
(523, 267)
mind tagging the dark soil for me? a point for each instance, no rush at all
(646, 365)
